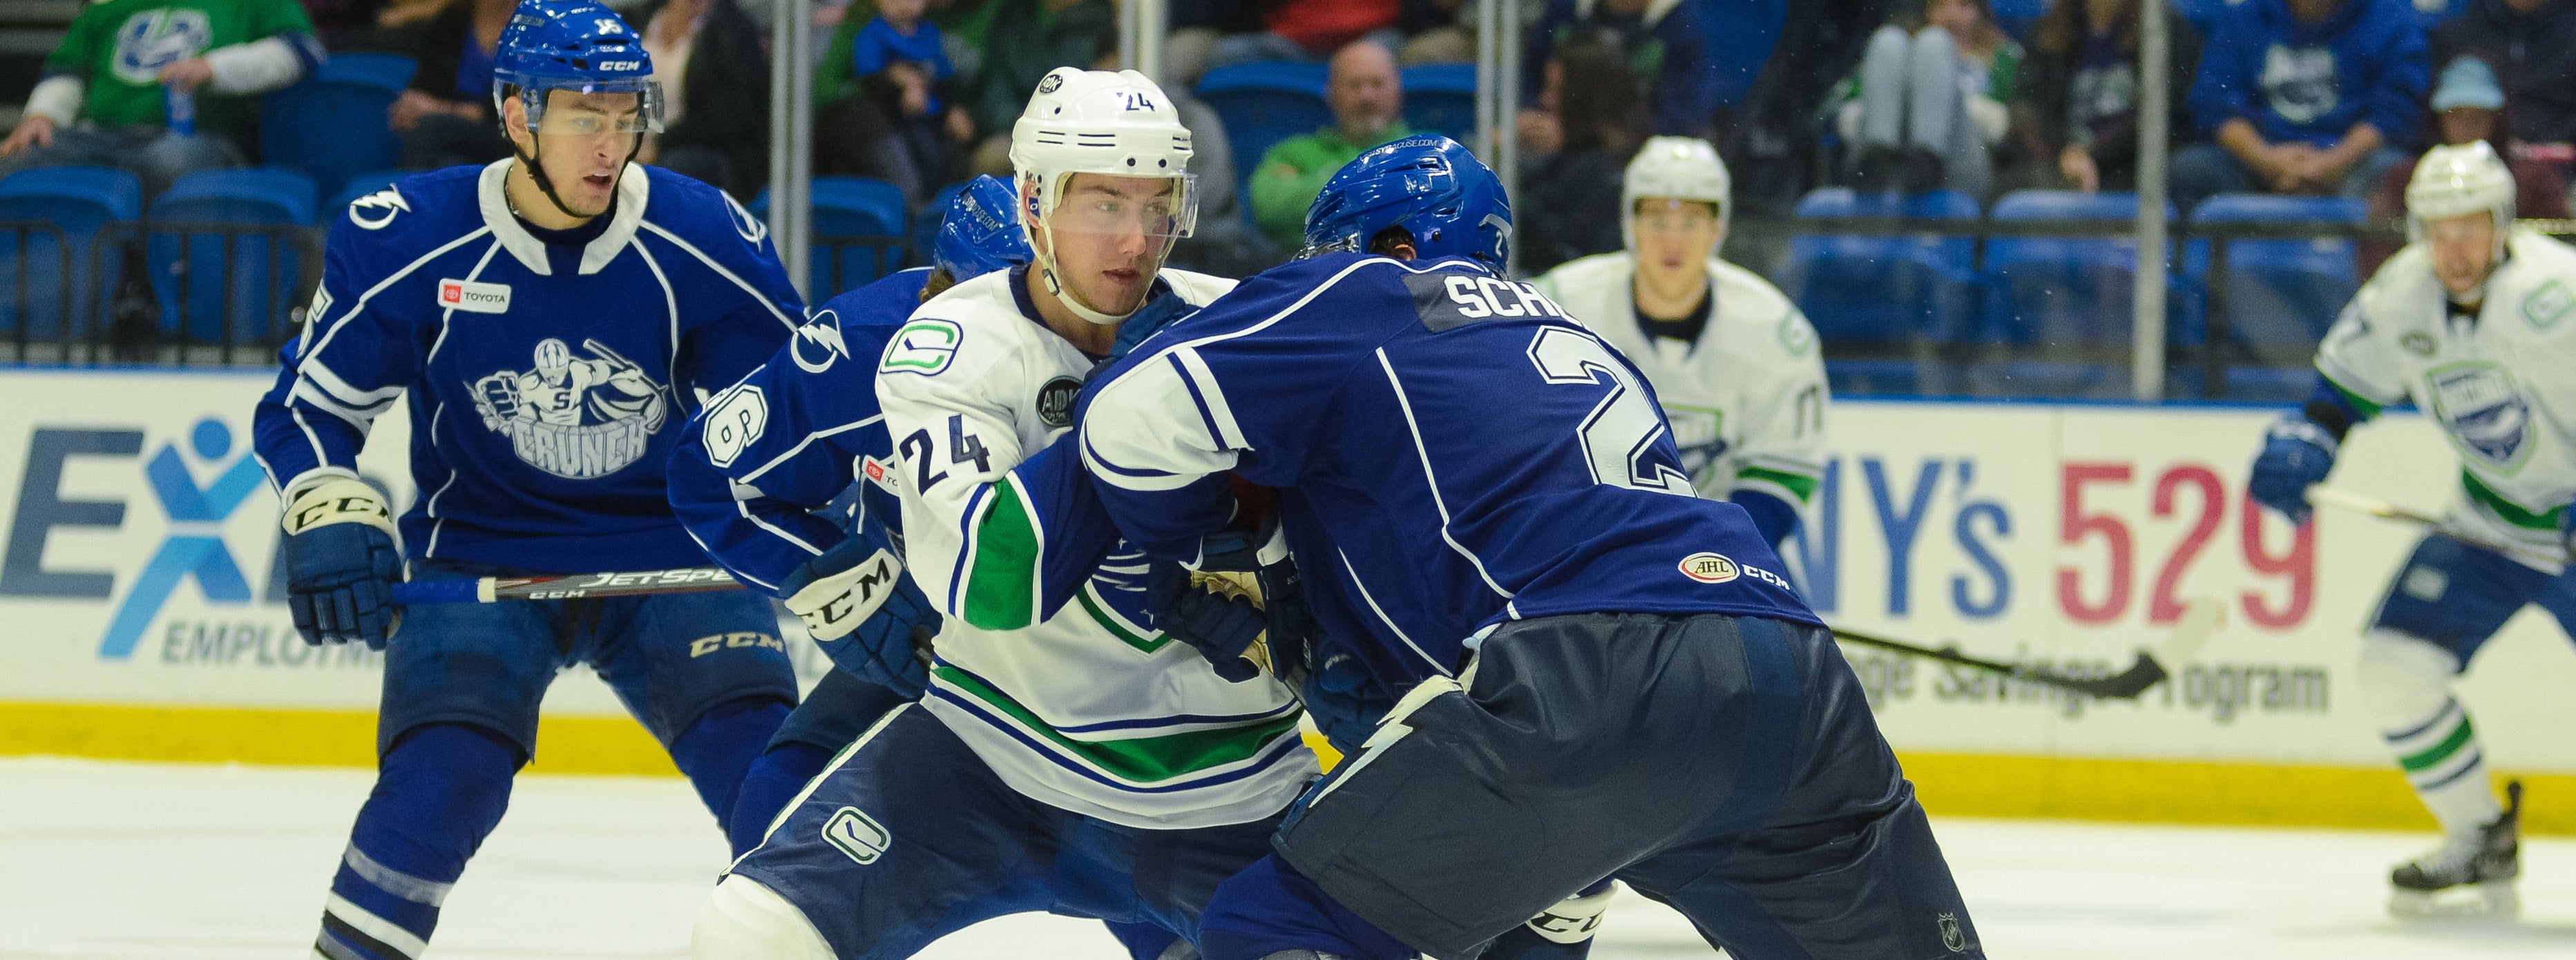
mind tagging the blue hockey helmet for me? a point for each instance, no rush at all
(575, 45)
(980, 233)
(1450, 202)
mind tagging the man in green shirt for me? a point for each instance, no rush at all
(108, 88)
(1368, 106)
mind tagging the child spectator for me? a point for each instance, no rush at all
(1929, 102)
(901, 52)
(2304, 96)
(2076, 98)
(109, 86)
(1662, 42)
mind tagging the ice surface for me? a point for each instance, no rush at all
(147, 861)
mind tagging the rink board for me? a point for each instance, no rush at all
(146, 622)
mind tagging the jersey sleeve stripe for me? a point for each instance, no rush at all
(756, 295)
(2340, 378)
(966, 523)
(670, 303)
(1801, 487)
(1213, 409)
(361, 305)
(1139, 761)
(1001, 588)
(773, 463)
(1092, 456)
(321, 375)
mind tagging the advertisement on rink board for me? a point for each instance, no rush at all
(141, 568)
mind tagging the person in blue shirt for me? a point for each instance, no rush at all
(1601, 676)
(548, 322)
(899, 56)
(2304, 97)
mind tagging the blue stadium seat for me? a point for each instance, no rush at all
(1260, 105)
(188, 271)
(331, 125)
(851, 207)
(2280, 293)
(359, 186)
(2070, 291)
(1438, 98)
(68, 276)
(1884, 287)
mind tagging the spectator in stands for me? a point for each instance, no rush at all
(899, 57)
(1437, 31)
(2304, 96)
(122, 65)
(2532, 45)
(1660, 39)
(2075, 102)
(2468, 106)
(1367, 97)
(339, 23)
(445, 116)
(1311, 30)
(715, 78)
(1929, 102)
(1568, 204)
(1026, 39)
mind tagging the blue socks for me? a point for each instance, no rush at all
(439, 792)
(717, 750)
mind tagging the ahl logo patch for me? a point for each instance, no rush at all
(1710, 568)
(473, 297)
(1055, 402)
(858, 835)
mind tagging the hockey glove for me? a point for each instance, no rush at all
(2297, 454)
(342, 559)
(1242, 607)
(1211, 613)
(867, 616)
(1344, 703)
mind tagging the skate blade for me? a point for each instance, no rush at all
(2495, 900)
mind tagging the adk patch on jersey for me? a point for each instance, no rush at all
(2483, 410)
(1055, 401)
(576, 418)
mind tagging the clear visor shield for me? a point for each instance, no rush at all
(1159, 209)
(594, 109)
(1349, 244)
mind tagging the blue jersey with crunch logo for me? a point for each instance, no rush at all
(547, 382)
(1453, 453)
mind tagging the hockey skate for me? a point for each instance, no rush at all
(2467, 876)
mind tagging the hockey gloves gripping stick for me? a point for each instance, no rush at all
(856, 592)
(342, 559)
(1241, 606)
(2297, 454)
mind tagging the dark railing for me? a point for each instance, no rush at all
(140, 292)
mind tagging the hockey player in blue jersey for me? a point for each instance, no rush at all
(790, 440)
(1603, 676)
(549, 322)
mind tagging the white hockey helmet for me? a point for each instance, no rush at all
(1102, 122)
(2453, 180)
(1681, 168)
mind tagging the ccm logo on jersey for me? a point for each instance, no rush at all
(1481, 297)
(473, 297)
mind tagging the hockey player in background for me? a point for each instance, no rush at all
(763, 477)
(1732, 361)
(2471, 322)
(548, 320)
(1603, 675)
(1068, 756)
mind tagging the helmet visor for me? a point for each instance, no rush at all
(593, 108)
(1102, 205)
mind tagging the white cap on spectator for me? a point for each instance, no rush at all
(2468, 82)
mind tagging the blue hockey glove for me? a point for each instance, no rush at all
(1344, 703)
(2297, 454)
(1222, 625)
(341, 563)
(856, 592)
(1244, 607)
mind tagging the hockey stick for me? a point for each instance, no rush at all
(2363, 503)
(566, 586)
(2200, 621)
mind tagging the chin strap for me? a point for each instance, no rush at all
(546, 184)
(1071, 300)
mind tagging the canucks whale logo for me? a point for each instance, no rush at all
(153, 39)
(2484, 412)
(579, 418)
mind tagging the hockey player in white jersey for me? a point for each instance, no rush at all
(1733, 362)
(2475, 322)
(1069, 756)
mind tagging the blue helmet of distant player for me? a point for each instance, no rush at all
(978, 234)
(1449, 201)
(583, 47)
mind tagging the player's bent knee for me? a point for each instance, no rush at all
(2403, 678)
(744, 920)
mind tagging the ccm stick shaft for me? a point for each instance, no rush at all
(565, 586)
(2200, 621)
(2364, 503)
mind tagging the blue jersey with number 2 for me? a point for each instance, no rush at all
(1454, 452)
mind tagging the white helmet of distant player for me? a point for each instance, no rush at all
(2453, 180)
(1678, 168)
(1095, 121)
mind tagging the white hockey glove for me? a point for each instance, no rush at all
(841, 589)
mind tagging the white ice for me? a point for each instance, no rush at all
(148, 861)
